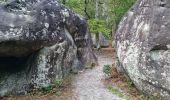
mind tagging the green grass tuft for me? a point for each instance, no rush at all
(116, 91)
(107, 69)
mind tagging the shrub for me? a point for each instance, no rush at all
(97, 26)
(107, 69)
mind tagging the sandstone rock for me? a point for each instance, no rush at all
(94, 39)
(100, 41)
(103, 42)
(40, 41)
(142, 46)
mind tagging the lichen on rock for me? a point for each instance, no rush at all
(40, 41)
(141, 43)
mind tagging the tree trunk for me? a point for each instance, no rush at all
(85, 9)
(97, 9)
(64, 1)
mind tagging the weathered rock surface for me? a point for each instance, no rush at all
(143, 46)
(100, 41)
(40, 41)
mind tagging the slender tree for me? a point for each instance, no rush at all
(64, 1)
(85, 8)
(97, 9)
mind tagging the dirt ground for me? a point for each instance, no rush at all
(89, 84)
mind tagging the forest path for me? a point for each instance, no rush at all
(89, 84)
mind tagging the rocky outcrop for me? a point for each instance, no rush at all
(40, 41)
(142, 46)
(103, 42)
(99, 40)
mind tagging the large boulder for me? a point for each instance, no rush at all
(103, 41)
(40, 41)
(100, 41)
(143, 46)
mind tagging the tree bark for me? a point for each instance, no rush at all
(85, 8)
(64, 1)
(97, 9)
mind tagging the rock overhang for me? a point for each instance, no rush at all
(44, 41)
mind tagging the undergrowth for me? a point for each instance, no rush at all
(126, 85)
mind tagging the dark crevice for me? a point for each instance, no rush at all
(162, 4)
(13, 64)
(159, 47)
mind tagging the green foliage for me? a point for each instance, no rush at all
(130, 84)
(120, 7)
(75, 5)
(96, 26)
(107, 69)
(58, 93)
(155, 96)
(81, 8)
(58, 83)
(116, 91)
(47, 88)
(110, 13)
